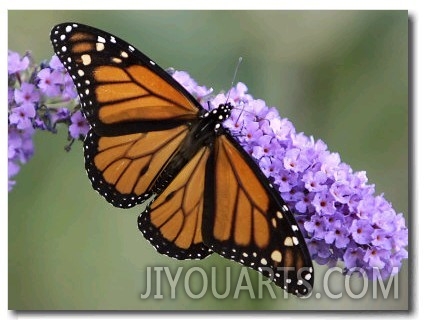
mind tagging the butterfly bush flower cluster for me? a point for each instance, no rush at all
(39, 98)
(340, 216)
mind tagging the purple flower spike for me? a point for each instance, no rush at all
(31, 90)
(336, 209)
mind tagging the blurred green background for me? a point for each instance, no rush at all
(341, 76)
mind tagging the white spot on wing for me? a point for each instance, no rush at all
(288, 242)
(86, 59)
(99, 46)
(276, 256)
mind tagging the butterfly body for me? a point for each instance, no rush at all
(150, 140)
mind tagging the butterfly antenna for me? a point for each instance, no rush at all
(231, 88)
(234, 77)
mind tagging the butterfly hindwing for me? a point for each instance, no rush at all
(173, 221)
(121, 90)
(247, 221)
(124, 168)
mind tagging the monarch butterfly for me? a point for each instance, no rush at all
(150, 138)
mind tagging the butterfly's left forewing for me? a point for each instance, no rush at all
(247, 221)
(121, 90)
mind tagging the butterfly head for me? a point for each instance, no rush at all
(219, 115)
